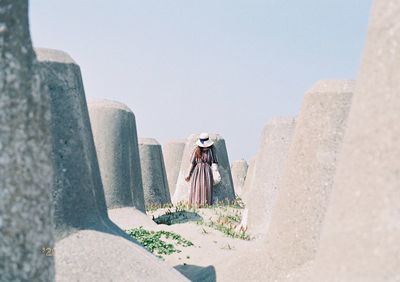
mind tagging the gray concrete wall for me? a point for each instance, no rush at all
(155, 183)
(173, 152)
(114, 132)
(269, 168)
(307, 181)
(239, 172)
(361, 236)
(25, 146)
(221, 192)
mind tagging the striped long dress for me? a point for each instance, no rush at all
(201, 176)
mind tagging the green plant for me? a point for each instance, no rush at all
(181, 206)
(152, 240)
(237, 203)
(228, 229)
(228, 222)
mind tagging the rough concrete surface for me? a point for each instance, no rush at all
(108, 258)
(248, 183)
(77, 189)
(25, 146)
(361, 236)
(269, 168)
(89, 246)
(173, 151)
(239, 172)
(223, 191)
(115, 137)
(155, 183)
(297, 216)
(307, 181)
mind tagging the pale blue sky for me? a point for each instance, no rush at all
(221, 66)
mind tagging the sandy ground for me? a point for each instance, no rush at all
(212, 249)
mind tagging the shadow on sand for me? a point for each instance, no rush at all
(177, 217)
(197, 273)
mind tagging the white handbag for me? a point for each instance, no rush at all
(215, 173)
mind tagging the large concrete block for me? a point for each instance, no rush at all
(115, 138)
(77, 190)
(155, 183)
(296, 222)
(248, 183)
(269, 168)
(246, 192)
(361, 236)
(173, 152)
(105, 257)
(25, 146)
(89, 245)
(224, 191)
(239, 172)
(307, 181)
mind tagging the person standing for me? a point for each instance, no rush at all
(200, 174)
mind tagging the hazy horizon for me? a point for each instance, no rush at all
(224, 67)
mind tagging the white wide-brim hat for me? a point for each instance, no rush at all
(204, 140)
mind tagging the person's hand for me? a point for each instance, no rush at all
(187, 178)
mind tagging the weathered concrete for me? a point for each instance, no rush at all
(105, 257)
(304, 191)
(173, 152)
(77, 190)
(155, 183)
(248, 183)
(25, 146)
(89, 246)
(269, 168)
(224, 191)
(239, 172)
(361, 236)
(114, 132)
(297, 216)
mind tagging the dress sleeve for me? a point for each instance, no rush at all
(214, 155)
(192, 162)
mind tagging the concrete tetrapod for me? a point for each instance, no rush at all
(239, 172)
(155, 183)
(114, 132)
(248, 183)
(269, 168)
(361, 236)
(89, 246)
(115, 137)
(173, 151)
(77, 190)
(224, 191)
(304, 189)
(25, 146)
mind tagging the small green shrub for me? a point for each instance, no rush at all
(229, 230)
(152, 240)
(228, 222)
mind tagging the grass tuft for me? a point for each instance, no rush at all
(152, 240)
